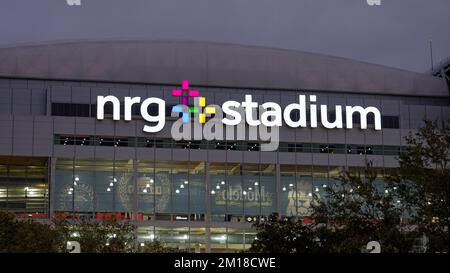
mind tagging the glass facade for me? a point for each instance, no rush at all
(24, 186)
(184, 204)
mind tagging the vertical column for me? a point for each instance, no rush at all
(135, 191)
(277, 188)
(208, 208)
(51, 185)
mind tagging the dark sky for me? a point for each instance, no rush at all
(397, 33)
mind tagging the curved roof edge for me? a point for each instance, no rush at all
(210, 64)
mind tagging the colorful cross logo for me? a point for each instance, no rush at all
(199, 103)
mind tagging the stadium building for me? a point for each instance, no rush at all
(59, 159)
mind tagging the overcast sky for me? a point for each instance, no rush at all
(397, 33)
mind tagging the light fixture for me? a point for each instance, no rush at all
(316, 189)
(244, 193)
(217, 187)
(284, 188)
(115, 179)
(111, 184)
(213, 192)
(144, 190)
(148, 185)
(181, 186)
(324, 186)
(151, 180)
(186, 182)
(310, 194)
(177, 191)
(142, 244)
(386, 191)
(108, 189)
(222, 183)
(291, 185)
(250, 188)
(77, 178)
(256, 183)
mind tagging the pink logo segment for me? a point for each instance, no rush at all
(201, 102)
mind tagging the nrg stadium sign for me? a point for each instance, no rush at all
(220, 122)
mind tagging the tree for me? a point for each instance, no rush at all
(7, 230)
(356, 210)
(26, 236)
(283, 235)
(424, 179)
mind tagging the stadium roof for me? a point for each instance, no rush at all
(210, 64)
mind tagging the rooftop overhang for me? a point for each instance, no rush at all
(210, 64)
